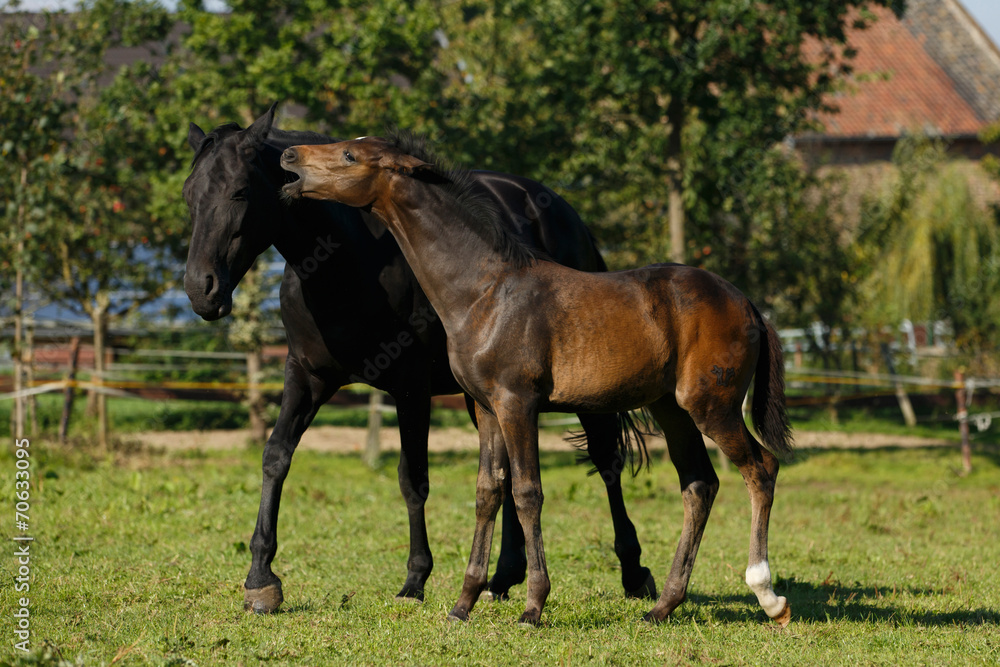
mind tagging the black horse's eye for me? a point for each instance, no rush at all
(241, 194)
(348, 156)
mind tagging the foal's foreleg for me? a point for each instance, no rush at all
(520, 432)
(699, 485)
(759, 468)
(493, 470)
(414, 422)
(511, 563)
(303, 395)
(602, 438)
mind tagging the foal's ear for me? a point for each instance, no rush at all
(195, 136)
(254, 136)
(411, 166)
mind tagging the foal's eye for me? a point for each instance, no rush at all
(348, 156)
(241, 194)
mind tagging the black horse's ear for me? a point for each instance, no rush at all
(254, 136)
(195, 136)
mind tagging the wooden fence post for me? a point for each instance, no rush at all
(74, 359)
(963, 421)
(370, 457)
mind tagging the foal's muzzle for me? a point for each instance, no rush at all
(289, 162)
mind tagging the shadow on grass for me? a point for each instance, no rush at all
(821, 603)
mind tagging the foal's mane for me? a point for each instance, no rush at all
(483, 215)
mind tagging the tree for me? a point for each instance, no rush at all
(97, 251)
(32, 112)
(646, 112)
(928, 252)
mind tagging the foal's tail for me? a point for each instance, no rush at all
(768, 412)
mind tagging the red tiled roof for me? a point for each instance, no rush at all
(896, 87)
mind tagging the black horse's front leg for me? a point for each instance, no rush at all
(414, 413)
(303, 395)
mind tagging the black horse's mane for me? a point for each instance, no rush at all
(282, 137)
(483, 215)
(218, 133)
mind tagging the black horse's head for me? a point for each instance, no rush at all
(230, 201)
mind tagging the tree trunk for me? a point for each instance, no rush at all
(909, 416)
(74, 358)
(962, 399)
(29, 367)
(17, 421)
(255, 398)
(675, 180)
(100, 318)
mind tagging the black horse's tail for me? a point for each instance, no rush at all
(630, 441)
(768, 412)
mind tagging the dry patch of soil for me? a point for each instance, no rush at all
(344, 439)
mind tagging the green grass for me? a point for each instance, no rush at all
(887, 557)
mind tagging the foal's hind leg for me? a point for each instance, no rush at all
(699, 484)
(759, 468)
(602, 436)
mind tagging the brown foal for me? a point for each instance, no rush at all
(526, 335)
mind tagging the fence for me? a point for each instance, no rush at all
(131, 378)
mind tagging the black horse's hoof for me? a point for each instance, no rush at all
(264, 600)
(647, 591)
(410, 595)
(490, 596)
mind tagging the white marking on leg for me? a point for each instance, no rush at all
(758, 578)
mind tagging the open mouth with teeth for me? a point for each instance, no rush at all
(292, 189)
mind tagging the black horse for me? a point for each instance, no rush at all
(353, 312)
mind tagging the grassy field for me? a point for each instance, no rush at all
(887, 557)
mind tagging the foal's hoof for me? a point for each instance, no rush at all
(647, 591)
(785, 616)
(263, 600)
(652, 618)
(529, 619)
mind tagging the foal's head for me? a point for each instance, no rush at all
(351, 172)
